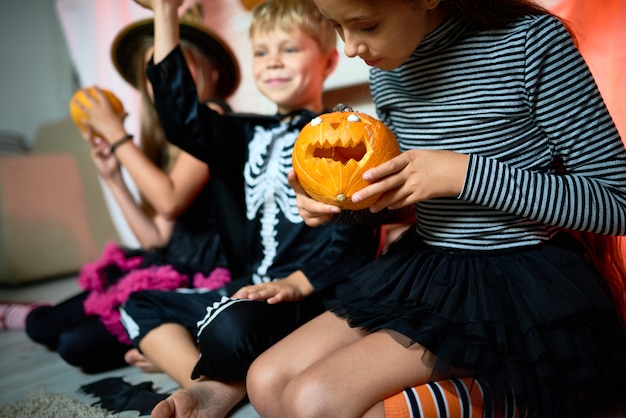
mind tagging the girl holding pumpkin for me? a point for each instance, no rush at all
(508, 149)
(290, 264)
(180, 244)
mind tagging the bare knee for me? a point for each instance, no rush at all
(309, 398)
(274, 392)
(264, 385)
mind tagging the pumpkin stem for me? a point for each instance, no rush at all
(341, 197)
(342, 108)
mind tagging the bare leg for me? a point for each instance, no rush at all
(326, 368)
(374, 367)
(377, 411)
(173, 350)
(271, 371)
(138, 360)
(204, 399)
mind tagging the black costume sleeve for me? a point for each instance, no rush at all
(385, 216)
(341, 249)
(218, 140)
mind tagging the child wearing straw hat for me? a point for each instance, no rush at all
(175, 221)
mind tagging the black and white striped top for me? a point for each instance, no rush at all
(517, 100)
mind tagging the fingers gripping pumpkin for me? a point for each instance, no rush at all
(79, 116)
(334, 150)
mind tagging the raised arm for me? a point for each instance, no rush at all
(166, 29)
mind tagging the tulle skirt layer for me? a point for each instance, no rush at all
(535, 322)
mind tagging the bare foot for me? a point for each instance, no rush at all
(204, 399)
(135, 358)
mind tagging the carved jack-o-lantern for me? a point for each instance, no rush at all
(334, 150)
(79, 116)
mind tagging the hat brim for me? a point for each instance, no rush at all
(125, 47)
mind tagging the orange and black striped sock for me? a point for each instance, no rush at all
(452, 398)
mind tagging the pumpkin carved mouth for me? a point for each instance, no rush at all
(342, 155)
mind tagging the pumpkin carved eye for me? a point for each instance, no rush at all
(334, 150)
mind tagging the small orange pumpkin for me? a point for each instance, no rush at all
(79, 116)
(334, 150)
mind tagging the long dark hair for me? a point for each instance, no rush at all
(490, 14)
(607, 254)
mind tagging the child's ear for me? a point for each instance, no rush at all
(332, 62)
(432, 4)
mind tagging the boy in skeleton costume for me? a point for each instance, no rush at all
(289, 265)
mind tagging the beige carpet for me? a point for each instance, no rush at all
(51, 405)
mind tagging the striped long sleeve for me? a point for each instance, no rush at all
(521, 102)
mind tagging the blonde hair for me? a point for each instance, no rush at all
(287, 14)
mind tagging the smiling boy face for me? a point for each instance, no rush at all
(289, 68)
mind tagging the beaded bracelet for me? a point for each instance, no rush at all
(119, 142)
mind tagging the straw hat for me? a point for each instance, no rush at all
(126, 43)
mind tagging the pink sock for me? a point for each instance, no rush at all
(13, 315)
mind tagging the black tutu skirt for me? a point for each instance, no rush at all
(535, 322)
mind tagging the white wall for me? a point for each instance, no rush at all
(36, 79)
(37, 75)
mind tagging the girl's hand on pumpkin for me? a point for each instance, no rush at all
(292, 288)
(102, 117)
(313, 212)
(414, 176)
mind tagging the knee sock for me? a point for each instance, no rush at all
(453, 398)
